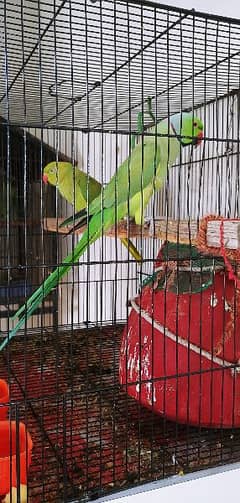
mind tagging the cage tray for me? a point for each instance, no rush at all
(89, 437)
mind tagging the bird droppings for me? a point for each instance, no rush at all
(213, 300)
(80, 425)
(226, 306)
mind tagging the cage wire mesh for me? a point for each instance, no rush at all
(82, 372)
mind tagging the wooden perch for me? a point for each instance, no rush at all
(181, 231)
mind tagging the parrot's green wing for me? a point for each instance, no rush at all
(78, 188)
(147, 166)
(135, 174)
(89, 187)
(132, 177)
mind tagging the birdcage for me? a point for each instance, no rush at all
(122, 371)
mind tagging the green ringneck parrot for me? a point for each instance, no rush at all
(127, 193)
(79, 189)
(74, 185)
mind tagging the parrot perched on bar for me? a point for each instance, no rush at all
(127, 194)
(130, 189)
(78, 187)
(63, 176)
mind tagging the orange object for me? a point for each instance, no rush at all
(4, 398)
(15, 455)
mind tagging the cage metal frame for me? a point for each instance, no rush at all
(32, 408)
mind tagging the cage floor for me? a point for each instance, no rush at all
(89, 437)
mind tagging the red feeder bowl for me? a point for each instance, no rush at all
(180, 354)
(4, 398)
(15, 450)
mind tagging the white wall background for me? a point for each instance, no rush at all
(230, 8)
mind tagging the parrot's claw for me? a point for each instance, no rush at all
(129, 219)
(147, 222)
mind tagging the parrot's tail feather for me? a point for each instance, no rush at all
(77, 216)
(79, 225)
(38, 293)
(22, 321)
(51, 282)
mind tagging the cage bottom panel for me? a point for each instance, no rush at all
(89, 437)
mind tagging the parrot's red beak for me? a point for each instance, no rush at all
(199, 137)
(45, 179)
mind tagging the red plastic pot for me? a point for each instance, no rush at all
(180, 354)
(4, 399)
(15, 451)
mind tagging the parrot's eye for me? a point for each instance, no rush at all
(195, 124)
(53, 171)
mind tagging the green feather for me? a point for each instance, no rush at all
(79, 189)
(24, 313)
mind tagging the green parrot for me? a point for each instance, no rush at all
(63, 175)
(76, 186)
(127, 193)
(130, 189)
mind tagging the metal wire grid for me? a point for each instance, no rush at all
(91, 66)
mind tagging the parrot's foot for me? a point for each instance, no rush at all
(147, 222)
(130, 220)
